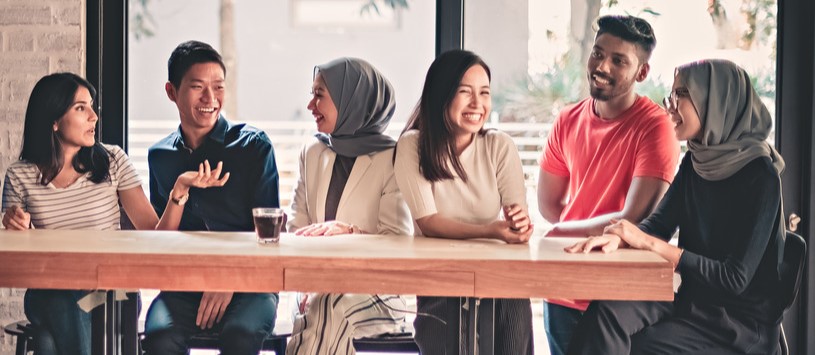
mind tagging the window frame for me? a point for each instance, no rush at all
(107, 43)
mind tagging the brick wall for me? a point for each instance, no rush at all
(37, 37)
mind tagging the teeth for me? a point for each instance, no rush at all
(207, 109)
(600, 80)
(472, 116)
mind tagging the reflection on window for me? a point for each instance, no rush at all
(270, 49)
(344, 14)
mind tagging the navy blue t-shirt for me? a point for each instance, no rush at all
(247, 154)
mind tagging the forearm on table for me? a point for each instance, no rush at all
(436, 225)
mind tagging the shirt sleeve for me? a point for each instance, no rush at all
(266, 189)
(123, 170)
(509, 170)
(12, 191)
(394, 215)
(657, 150)
(299, 204)
(662, 223)
(417, 191)
(552, 159)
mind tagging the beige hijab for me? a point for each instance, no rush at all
(735, 123)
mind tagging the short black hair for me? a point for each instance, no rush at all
(630, 29)
(188, 54)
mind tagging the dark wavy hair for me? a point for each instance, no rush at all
(50, 100)
(187, 54)
(436, 140)
(630, 29)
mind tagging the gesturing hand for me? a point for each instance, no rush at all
(203, 178)
(16, 218)
(212, 308)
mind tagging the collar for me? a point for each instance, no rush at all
(217, 134)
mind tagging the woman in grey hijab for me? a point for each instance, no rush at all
(346, 186)
(726, 203)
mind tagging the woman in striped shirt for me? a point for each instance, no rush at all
(65, 179)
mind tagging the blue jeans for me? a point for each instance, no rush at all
(560, 323)
(247, 321)
(61, 327)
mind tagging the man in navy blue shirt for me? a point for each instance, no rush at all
(196, 86)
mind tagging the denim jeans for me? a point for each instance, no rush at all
(560, 323)
(247, 321)
(61, 327)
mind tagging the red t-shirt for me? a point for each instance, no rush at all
(602, 157)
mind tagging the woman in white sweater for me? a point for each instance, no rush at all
(458, 180)
(346, 186)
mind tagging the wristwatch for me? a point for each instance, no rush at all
(181, 200)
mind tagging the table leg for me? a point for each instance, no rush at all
(478, 326)
(114, 326)
(486, 325)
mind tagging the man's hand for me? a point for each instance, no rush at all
(212, 308)
(203, 178)
(16, 218)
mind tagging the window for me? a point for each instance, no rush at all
(538, 58)
(275, 46)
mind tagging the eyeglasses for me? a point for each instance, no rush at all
(671, 102)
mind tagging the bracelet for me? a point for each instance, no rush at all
(352, 229)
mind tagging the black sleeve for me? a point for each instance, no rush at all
(663, 221)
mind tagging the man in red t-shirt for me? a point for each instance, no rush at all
(610, 156)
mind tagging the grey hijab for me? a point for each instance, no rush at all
(735, 123)
(365, 104)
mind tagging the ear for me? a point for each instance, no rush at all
(172, 94)
(56, 126)
(643, 72)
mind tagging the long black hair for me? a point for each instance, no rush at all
(50, 100)
(436, 140)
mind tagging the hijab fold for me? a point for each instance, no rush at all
(735, 123)
(365, 104)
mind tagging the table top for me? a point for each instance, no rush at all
(172, 260)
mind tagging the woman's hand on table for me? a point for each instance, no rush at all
(16, 218)
(503, 230)
(327, 229)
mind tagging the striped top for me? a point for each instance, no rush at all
(82, 205)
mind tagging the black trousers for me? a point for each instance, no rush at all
(624, 327)
(513, 326)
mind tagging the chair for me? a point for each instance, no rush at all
(25, 336)
(391, 343)
(792, 267)
(275, 342)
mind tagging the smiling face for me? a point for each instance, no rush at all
(470, 106)
(614, 67)
(322, 106)
(687, 124)
(199, 96)
(77, 127)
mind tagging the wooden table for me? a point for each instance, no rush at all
(196, 261)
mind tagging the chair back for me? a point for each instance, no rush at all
(792, 268)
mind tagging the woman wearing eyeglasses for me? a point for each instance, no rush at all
(726, 203)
